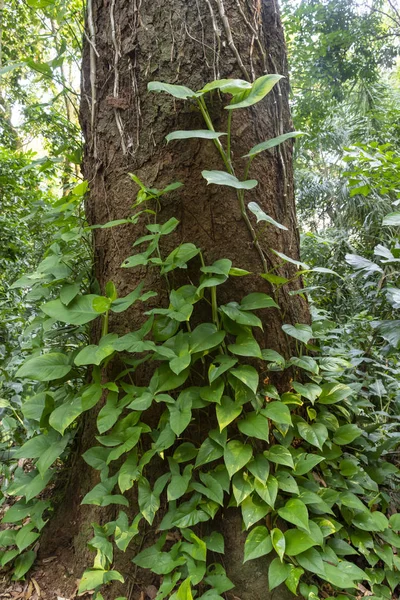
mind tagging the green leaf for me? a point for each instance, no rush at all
(295, 511)
(54, 450)
(245, 345)
(315, 434)
(46, 367)
(392, 219)
(242, 317)
(184, 591)
(94, 355)
(311, 391)
(346, 434)
(262, 216)
(215, 542)
(241, 486)
(258, 543)
(94, 578)
(180, 414)
(311, 560)
(227, 412)
(259, 467)
(267, 491)
(224, 178)
(179, 483)
(220, 365)
(68, 292)
(121, 304)
(254, 425)
(23, 563)
(277, 573)
(236, 456)
(280, 455)
(292, 581)
(259, 89)
(247, 375)
(204, 337)
(148, 499)
(25, 537)
(375, 521)
(306, 462)
(253, 510)
(65, 414)
(334, 392)
(304, 333)
(290, 260)
(278, 542)
(228, 86)
(277, 412)
(208, 452)
(12, 66)
(257, 300)
(178, 91)
(394, 522)
(272, 143)
(78, 312)
(286, 482)
(196, 133)
(298, 541)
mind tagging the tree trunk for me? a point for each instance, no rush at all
(187, 42)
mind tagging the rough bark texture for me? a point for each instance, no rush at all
(188, 42)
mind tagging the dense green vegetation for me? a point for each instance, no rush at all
(336, 488)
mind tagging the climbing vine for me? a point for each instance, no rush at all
(301, 466)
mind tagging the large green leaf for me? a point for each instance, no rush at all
(258, 543)
(392, 219)
(334, 392)
(262, 216)
(267, 491)
(247, 375)
(295, 511)
(224, 178)
(253, 510)
(204, 337)
(46, 367)
(236, 456)
(278, 542)
(298, 541)
(272, 143)
(259, 89)
(277, 573)
(178, 91)
(204, 134)
(277, 412)
(245, 345)
(228, 86)
(78, 312)
(280, 455)
(227, 411)
(257, 300)
(255, 425)
(304, 333)
(315, 434)
(346, 434)
(65, 414)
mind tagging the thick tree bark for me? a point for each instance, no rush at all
(188, 42)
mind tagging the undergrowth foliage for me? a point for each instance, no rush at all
(305, 468)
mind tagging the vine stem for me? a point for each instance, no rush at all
(214, 305)
(104, 327)
(210, 126)
(227, 159)
(256, 243)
